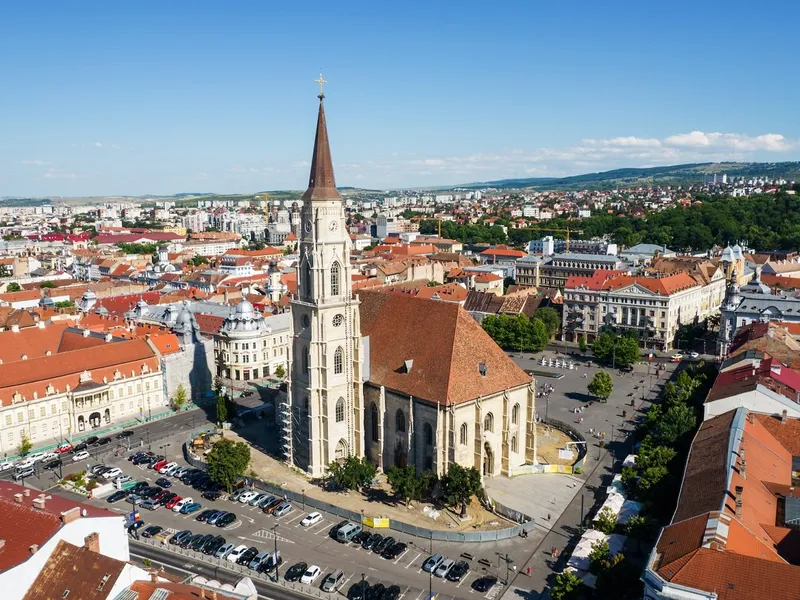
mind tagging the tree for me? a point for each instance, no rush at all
(47, 284)
(549, 316)
(222, 409)
(641, 527)
(352, 473)
(566, 586)
(622, 351)
(407, 484)
(677, 423)
(179, 399)
(13, 287)
(228, 461)
(460, 485)
(64, 304)
(599, 557)
(601, 385)
(280, 371)
(582, 344)
(619, 579)
(25, 445)
(606, 521)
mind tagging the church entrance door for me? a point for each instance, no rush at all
(341, 451)
(488, 460)
(400, 456)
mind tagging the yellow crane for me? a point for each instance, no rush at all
(568, 231)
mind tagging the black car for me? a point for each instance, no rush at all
(152, 531)
(383, 545)
(166, 498)
(103, 441)
(124, 434)
(117, 496)
(135, 526)
(375, 592)
(163, 482)
(358, 590)
(79, 448)
(225, 520)
(369, 543)
(484, 584)
(135, 455)
(140, 485)
(295, 572)
(91, 441)
(211, 495)
(361, 537)
(188, 541)
(201, 541)
(394, 551)
(204, 515)
(457, 571)
(213, 545)
(53, 464)
(268, 564)
(392, 592)
(335, 529)
(247, 556)
(178, 537)
(149, 492)
(191, 475)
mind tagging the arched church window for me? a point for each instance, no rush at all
(306, 279)
(335, 279)
(373, 412)
(340, 410)
(338, 361)
(464, 434)
(428, 434)
(514, 445)
(515, 414)
(400, 420)
(306, 360)
(488, 422)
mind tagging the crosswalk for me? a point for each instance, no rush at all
(270, 535)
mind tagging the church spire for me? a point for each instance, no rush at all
(321, 183)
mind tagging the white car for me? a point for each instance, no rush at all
(310, 575)
(247, 496)
(80, 456)
(26, 463)
(36, 457)
(167, 467)
(171, 470)
(122, 478)
(5, 466)
(48, 456)
(311, 519)
(111, 473)
(234, 554)
(694, 355)
(181, 503)
(444, 568)
(677, 357)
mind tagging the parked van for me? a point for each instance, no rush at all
(333, 582)
(348, 532)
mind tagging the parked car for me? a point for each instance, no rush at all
(311, 519)
(79, 447)
(432, 563)
(205, 514)
(383, 545)
(458, 571)
(394, 551)
(375, 592)
(170, 470)
(335, 529)
(268, 564)
(152, 531)
(270, 507)
(257, 499)
(225, 520)
(212, 519)
(234, 554)
(392, 592)
(122, 478)
(6, 465)
(189, 541)
(247, 556)
(180, 536)
(135, 526)
(484, 584)
(22, 473)
(310, 575)
(190, 508)
(224, 550)
(112, 473)
(166, 496)
(117, 496)
(296, 571)
(151, 504)
(358, 590)
(124, 434)
(361, 537)
(91, 440)
(212, 546)
(444, 567)
(199, 543)
(53, 464)
(211, 495)
(247, 496)
(98, 469)
(165, 467)
(177, 506)
(163, 482)
(63, 447)
(333, 581)
(369, 543)
(282, 510)
(48, 456)
(234, 497)
(103, 441)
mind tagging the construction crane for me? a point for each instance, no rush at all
(568, 231)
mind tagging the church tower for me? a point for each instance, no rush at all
(323, 420)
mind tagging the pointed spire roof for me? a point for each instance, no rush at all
(321, 183)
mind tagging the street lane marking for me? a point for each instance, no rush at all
(324, 526)
(300, 516)
(413, 560)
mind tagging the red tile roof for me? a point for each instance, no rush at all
(177, 591)
(595, 281)
(33, 342)
(22, 527)
(663, 286)
(503, 251)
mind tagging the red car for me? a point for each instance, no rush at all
(65, 447)
(173, 502)
(159, 464)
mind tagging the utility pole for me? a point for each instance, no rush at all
(430, 573)
(277, 564)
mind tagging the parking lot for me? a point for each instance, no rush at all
(312, 544)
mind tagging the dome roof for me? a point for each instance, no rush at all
(244, 319)
(737, 252)
(102, 310)
(244, 308)
(727, 255)
(89, 295)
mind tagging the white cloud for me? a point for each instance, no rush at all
(625, 142)
(36, 163)
(767, 142)
(59, 174)
(98, 145)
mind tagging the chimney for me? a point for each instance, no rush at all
(38, 503)
(68, 516)
(784, 416)
(18, 498)
(109, 337)
(92, 542)
(154, 576)
(15, 328)
(2, 545)
(40, 324)
(752, 418)
(739, 490)
(34, 548)
(213, 595)
(27, 492)
(85, 333)
(743, 468)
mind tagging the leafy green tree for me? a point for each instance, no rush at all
(641, 527)
(227, 462)
(622, 351)
(601, 385)
(549, 316)
(25, 445)
(599, 557)
(619, 579)
(627, 353)
(64, 304)
(517, 332)
(582, 344)
(676, 424)
(407, 484)
(460, 485)
(352, 473)
(179, 399)
(606, 521)
(46, 285)
(222, 410)
(13, 287)
(280, 371)
(566, 586)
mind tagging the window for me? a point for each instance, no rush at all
(400, 420)
(306, 360)
(428, 434)
(338, 320)
(30, 414)
(8, 419)
(42, 411)
(515, 414)
(514, 445)
(306, 280)
(464, 433)
(335, 279)
(33, 432)
(373, 412)
(44, 429)
(11, 437)
(338, 361)
(53, 409)
(340, 410)
(488, 422)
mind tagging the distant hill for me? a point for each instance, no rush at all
(669, 175)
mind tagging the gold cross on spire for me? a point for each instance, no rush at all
(321, 82)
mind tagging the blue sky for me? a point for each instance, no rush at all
(165, 97)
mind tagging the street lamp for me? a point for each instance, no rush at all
(275, 537)
(430, 573)
(304, 499)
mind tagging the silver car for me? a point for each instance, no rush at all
(225, 550)
(333, 581)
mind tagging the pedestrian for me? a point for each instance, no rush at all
(528, 571)
(554, 553)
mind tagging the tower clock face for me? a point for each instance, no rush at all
(333, 225)
(308, 226)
